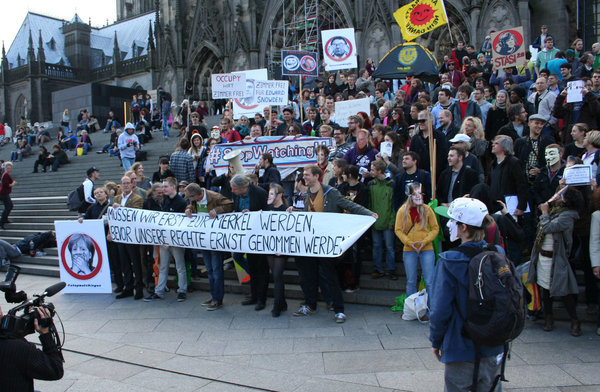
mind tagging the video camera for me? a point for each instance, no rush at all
(14, 326)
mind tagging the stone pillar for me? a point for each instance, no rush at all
(525, 16)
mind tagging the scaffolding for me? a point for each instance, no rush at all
(300, 24)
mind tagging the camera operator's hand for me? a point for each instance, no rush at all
(44, 314)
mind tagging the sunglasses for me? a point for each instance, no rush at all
(421, 120)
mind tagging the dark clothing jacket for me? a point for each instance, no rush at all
(271, 175)
(523, 147)
(258, 199)
(175, 204)
(545, 184)
(420, 145)
(450, 133)
(495, 120)
(22, 362)
(508, 178)
(465, 181)
(509, 130)
(94, 210)
(589, 113)
(403, 180)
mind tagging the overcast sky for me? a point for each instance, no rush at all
(14, 12)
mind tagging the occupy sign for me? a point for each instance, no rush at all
(265, 232)
(228, 85)
(288, 152)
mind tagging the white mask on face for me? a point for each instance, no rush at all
(417, 198)
(552, 156)
(453, 228)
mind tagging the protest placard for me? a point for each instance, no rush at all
(574, 91)
(508, 49)
(264, 232)
(247, 106)
(345, 109)
(82, 256)
(339, 49)
(289, 152)
(386, 148)
(296, 62)
(271, 92)
(578, 175)
(228, 86)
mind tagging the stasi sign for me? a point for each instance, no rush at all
(508, 48)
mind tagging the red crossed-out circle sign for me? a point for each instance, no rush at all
(334, 57)
(69, 270)
(308, 63)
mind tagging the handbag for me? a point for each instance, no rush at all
(415, 306)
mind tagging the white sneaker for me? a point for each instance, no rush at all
(340, 318)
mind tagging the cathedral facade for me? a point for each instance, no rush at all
(197, 38)
(178, 44)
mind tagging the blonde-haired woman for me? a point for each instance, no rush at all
(473, 128)
(417, 227)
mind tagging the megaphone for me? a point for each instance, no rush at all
(235, 162)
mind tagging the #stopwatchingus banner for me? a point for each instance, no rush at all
(508, 49)
(289, 152)
(296, 62)
(318, 234)
(339, 49)
(82, 256)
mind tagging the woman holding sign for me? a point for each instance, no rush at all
(549, 266)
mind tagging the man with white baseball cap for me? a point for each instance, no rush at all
(470, 161)
(448, 300)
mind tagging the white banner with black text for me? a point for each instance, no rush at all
(267, 232)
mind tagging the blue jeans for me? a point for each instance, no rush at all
(411, 260)
(165, 126)
(127, 162)
(214, 266)
(379, 236)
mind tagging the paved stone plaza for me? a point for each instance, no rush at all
(126, 345)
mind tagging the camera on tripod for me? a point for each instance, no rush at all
(19, 326)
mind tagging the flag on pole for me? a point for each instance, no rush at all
(420, 17)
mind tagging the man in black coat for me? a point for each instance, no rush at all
(457, 180)
(507, 177)
(22, 362)
(530, 148)
(247, 197)
(271, 173)
(420, 143)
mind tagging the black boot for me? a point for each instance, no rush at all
(547, 308)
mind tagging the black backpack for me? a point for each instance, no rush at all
(75, 198)
(495, 308)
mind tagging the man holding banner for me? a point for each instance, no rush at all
(322, 198)
(202, 200)
(248, 197)
(172, 202)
